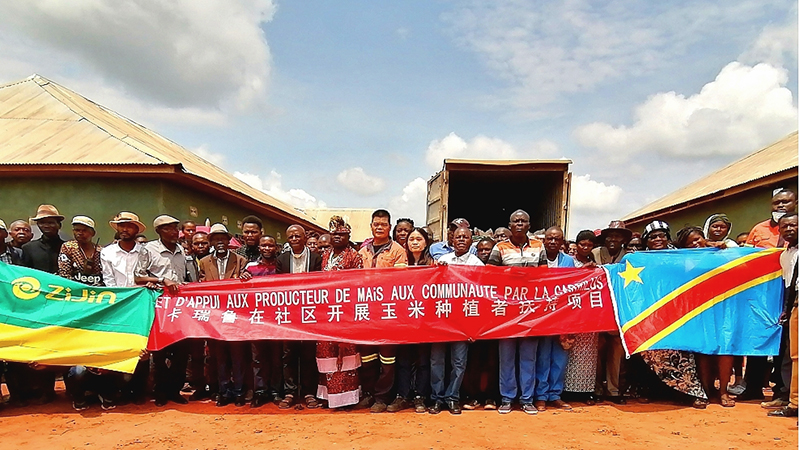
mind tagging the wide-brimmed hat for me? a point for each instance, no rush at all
(83, 220)
(614, 225)
(127, 217)
(47, 212)
(164, 219)
(218, 228)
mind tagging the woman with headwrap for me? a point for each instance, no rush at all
(580, 380)
(676, 369)
(716, 231)
(337, 362)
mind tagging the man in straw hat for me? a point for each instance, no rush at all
(119, 259)
(162, 265)
(35, 382)
(42, 254)
(231, 356)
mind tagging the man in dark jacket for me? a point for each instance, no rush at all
(299, 363)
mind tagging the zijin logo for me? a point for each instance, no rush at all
(26, 288)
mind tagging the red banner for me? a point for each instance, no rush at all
(390, 306)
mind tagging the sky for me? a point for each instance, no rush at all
(355, 104)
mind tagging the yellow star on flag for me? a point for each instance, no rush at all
(631, 274)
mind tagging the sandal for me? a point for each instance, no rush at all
(312, 402)
(287, 402)
(700, 403)
(727, 402)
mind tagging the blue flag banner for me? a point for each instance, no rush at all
(710, 301)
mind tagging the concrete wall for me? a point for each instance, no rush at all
(744, 209)
(102, 198)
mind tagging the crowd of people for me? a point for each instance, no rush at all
(534, 372)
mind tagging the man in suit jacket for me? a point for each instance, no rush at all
(299, 364)
(231, 356)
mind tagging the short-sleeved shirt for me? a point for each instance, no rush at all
(467, 259)
(156, 260)
(119, 265)
(390, 255)
(439, 249)
(72, 264)
(260, 267)
(506, 253)
(764, 235)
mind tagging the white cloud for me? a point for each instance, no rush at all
(356, 180)
(545, 49)
(482, 147)
(743, 109)
(594, 196)
(272, 185)
(218, 159)
(178, 54)
(776, 45)
(412, 202)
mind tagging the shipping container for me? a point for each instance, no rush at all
(486, 192)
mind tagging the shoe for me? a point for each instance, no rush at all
(490, 405)
(737, 389)
(419, 405)
(240, 401)
(378, 407)
(774, 404)
(437, 407)
(365, 402)
(224, 401)
(540, 405)
(472, 405)
(80, 406)
(786, 411)
(504, 408)
(311, 402)
(287, 402)
(591, 400)
(186, 388)
(179, 399)
(161, 400)
(106, 404)
(454, 406)
(258, 400)
(617, 399)
(528, 408)
(700, 403)
(199, 395)
(561, 404)
(398, 404)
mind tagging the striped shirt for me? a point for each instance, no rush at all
(508, 254)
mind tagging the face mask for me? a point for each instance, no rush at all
(776, 216)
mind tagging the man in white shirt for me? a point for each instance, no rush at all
(119, 259)
(446, 396)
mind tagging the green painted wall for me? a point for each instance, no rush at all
(102, 198)
(744, 209)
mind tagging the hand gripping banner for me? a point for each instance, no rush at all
(390, 306)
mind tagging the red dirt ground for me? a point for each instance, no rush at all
(204, 426)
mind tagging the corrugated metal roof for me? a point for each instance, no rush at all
(42, 122)
(773, 159)
(506, 162)
(358, 218)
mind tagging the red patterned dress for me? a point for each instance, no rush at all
(338, 363)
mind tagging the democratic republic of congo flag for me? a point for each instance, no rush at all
(51, 320)
(710, 301)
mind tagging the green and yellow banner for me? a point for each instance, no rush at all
(55, 321)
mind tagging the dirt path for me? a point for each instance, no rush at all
(204, 426)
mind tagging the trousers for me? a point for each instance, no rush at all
(509, 350)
